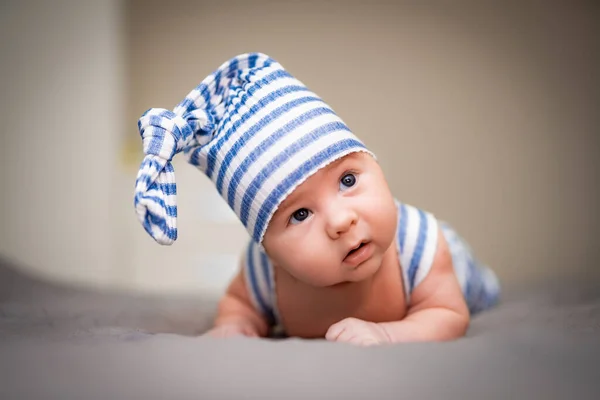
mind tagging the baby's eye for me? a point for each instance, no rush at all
(347, 181)
(299, 216)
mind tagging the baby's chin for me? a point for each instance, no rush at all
(337, 279)
(351, 282)
(335, 283)
(360, 275)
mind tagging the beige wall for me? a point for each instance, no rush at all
(485, 115)
(62, 95)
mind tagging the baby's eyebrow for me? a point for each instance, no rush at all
(289, 202)
(340, 165)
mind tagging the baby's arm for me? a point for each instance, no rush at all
(236, 315)
(438, 310)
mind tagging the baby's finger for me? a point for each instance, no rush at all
(335, 331)
(250, 332)
(356, 339)
(350, 334)
(347, 336)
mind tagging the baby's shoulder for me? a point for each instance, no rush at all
(410, 213)
(416, 241)
(416, 228)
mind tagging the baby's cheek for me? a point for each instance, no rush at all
(383, 214)
(313, 273)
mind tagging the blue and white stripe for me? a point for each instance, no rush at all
(479, 283)
(260, 282)
(417, 237)
(417, 245)
(255, 130)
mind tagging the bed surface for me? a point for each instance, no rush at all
(64, 343)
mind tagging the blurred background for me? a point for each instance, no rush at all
(483, 113)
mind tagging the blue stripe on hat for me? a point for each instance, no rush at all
(416, 258)
(232, 68)
(218, 88)
(328, 154)
(188, 104)
(285, 155)
(205, 92)
(234, 92)
(183, 132)
(268, 142)
(167, 188)
(148, 169)
(273, 76)
(149, 165)
(156, 142)
(169, 168)
(252, 60)
(261, 124)
(151, 220)
(171, 211)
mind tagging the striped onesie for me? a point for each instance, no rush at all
(416, 242)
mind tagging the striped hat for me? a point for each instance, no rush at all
(253, 129)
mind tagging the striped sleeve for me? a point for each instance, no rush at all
(259, 280)
(417, 245)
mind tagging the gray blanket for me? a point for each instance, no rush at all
(63, 343)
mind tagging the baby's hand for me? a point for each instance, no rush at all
(233, 329)
(356, 331)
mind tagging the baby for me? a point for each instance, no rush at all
(332, 254)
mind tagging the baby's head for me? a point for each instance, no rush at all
(301, 183)
(336, 226)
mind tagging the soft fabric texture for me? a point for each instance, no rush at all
(255, 130)
(56, 342)
(416, 243)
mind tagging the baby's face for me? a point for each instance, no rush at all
(336, 226)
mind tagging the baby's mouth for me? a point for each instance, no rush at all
(354, 250)
(359, 254)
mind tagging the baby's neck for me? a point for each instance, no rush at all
(354, 289)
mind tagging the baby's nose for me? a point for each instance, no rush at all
(340, 220)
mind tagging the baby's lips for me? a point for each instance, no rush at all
(359, 256)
